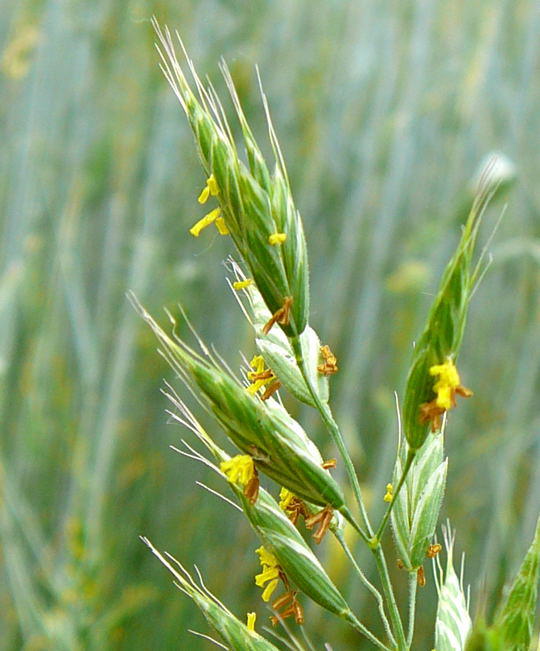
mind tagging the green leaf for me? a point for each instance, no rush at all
(515, 618)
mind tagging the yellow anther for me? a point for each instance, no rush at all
(210, 188)
(270, 572)
(446, 388)
(286, 498)
(204, 222)
(239, 470)
(242, 284)
(251, 619)
(447, 383)
(389, 496)
(260, 376)
(221, 226)
(277, 238)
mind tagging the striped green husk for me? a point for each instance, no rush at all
(453, 622)
(254, 203)
(445, 324)
(231, 629)
(278, 444)
(277, 351)
(416, 508)
(297, 560)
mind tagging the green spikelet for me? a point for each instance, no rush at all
(278, 534)
(515, 617)
(254, 203)
(443, 333)
(265, 431)
(416, 508)
(297, 560)
(453, 622)
(231, 629)
(276, 349)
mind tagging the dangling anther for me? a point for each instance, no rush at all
(421, 577)
(271, 389)
(331, 463)
(323, 518)
(433, 550)
(329, 365)
(281, 316)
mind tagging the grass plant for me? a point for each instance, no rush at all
(384, 114)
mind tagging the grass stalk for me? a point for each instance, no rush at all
(408, 463)
(413, 587)
(367, 583)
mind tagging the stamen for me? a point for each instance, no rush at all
(433, 550)
(221, 226)
(251, 619)
(281, 316)
(204, 222)
(210, 188)
(242, 284)
(331, 463)
(277, 238)
(329, 365)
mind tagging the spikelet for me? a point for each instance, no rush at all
(232, 630)
(276, 349)
(276, 532)
(279, 446)
(453, 622)
(441, 339)
(256, 206)
(416, 508)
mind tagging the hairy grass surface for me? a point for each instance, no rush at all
(384, 112)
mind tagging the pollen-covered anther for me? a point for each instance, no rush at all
(251, 619)
(292, 505)
(446, 388)
(421, 577)
(277, 238)
(271, 573)
(271, 389)
(289, 606)
(331, 463)
(329, 365)
(389, 495)
(210, 189)
(433, 550)
(261, 377)
(281, 316)
(241, 470)
(323, 519)
(210, 218)
(242, 284)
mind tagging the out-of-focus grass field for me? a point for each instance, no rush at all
(384, 111)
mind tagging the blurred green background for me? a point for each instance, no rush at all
(385, 110)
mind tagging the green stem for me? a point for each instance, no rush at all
(408, 463)
(378, 597)
(356, 624)
(373, 543)
(335, 432)
(395, 617)
(413, 584)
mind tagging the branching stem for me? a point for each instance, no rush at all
(368, 585)
(408, 463)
